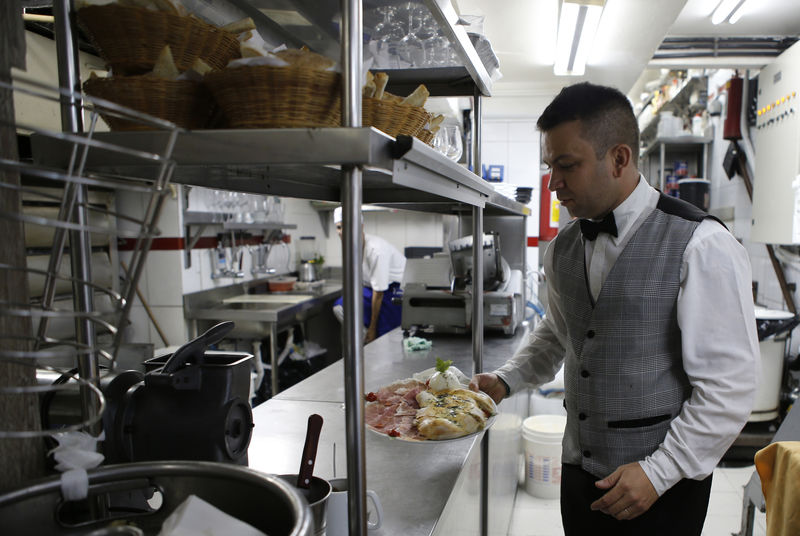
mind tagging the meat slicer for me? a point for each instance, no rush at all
(437, 293)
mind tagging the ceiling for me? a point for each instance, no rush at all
(523, 35)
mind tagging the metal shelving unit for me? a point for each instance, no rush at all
(351, 164)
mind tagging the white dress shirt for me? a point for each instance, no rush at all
(719, 341)
(383, 263)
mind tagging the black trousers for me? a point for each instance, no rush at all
(680, 511)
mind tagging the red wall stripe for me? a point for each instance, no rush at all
(178, 243)
(533, 241)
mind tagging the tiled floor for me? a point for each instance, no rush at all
(539, 517)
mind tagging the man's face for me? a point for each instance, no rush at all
(583, 183)
(339, 228)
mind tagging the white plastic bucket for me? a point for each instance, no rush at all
(543, 435)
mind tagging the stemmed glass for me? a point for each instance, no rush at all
(455, 146)
(387, 34)
(410, 47)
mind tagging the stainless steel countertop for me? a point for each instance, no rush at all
(250, 318)
(386, 361)
(413, 480)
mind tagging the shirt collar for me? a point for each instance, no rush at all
(643, 198)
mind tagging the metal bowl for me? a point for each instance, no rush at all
(144, 494)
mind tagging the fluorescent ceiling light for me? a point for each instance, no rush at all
(577, 26)
(730, 10)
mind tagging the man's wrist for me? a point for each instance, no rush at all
(505, 384)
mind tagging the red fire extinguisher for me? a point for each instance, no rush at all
(731, 129)
(548, 212)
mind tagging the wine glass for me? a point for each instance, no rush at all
(455, 145)
(410, 48)
(386, 35)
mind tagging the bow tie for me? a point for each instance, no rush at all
(590, 229)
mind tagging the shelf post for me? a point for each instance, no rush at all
(477, 304)
(353, 246)
(80, 241)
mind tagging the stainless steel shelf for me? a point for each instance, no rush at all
(300, 163)
(678, 143)
(213, 218)
(314, 23)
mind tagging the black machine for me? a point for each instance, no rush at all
(189, 405)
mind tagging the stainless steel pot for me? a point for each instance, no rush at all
(145, 493)
(317, 495)
(307, 272)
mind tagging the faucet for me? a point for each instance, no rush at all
(222, 265)
(259, 256)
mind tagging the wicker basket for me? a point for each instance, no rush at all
(393, 118)
(426, 136)
(130, 39)
(263, 96)
(187, 104)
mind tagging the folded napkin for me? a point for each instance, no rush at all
(197, 517)
(778, 466)
(414, 344)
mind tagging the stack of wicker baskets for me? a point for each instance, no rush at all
(130, 40)
(265, 96)
(305, 93)
(393, 118)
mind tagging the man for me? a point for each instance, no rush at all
(383, 266)
(651, 312)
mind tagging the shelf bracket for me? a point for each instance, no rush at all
(192, 241)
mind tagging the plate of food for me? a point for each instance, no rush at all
(433, 405)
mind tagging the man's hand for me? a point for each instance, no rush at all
(630, 492)
(490, 384)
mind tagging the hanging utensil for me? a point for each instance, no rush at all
(309, 451)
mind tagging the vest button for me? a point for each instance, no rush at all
(590, 334)
(587, 454)
(582, 416)
(585, 374)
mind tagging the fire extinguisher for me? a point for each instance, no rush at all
(731, 128)
(548, 212)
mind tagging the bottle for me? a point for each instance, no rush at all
(222, 259)
(697, 125)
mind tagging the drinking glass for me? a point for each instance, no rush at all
(455, 145)
(410, 47)
(386, 35)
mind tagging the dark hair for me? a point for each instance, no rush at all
(605, 114)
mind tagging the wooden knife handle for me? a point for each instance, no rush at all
(309, 451)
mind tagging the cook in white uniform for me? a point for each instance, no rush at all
(382, 267)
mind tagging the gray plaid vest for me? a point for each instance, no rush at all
(623, 369)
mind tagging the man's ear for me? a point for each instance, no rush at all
(621, 156)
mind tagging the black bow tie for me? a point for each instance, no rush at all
(591, 229)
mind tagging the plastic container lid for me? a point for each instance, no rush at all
(544, 426)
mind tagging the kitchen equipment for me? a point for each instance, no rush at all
(696, 192)
(307, 272)
(145, 494)
(281, 283)
(316, 495)
(307, 248)
(309, 451)
(337, 522)
(543, 435)
(315, 490)
(772, 327)
(189, 405)
(438, 291)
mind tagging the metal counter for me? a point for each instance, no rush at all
(257, 319)
(426, 488)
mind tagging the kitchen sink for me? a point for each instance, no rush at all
(257, 300)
